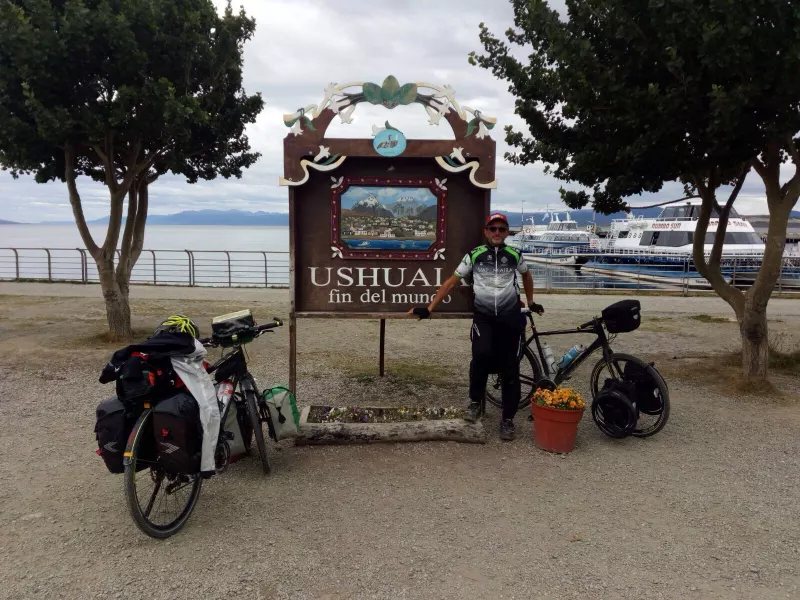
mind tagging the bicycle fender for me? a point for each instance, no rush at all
(137, 428)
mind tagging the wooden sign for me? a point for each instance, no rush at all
(377, 225)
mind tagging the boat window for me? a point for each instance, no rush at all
(669, 213)
(675, 238)
(647, 238)
(623, 234)
(682, 211)
(695, 212)
(736, 237)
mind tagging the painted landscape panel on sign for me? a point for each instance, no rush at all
(388, 218)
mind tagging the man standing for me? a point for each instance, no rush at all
(497, 326)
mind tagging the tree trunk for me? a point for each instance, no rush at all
(115, 294)
(450, 430)
(755, 342)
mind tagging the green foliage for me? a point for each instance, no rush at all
(142, 83)
(622, 96)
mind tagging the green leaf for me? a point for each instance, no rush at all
(471, 126)
(390, 88)
(308, 124)
(407, 93)
(372, 93)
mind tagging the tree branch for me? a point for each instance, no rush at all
(712, 272)
(664, 203)
(793, 150)
(141, 219)
(106, 157)
(124, 268)
(75, 201)
(722, 224)
(793, 185)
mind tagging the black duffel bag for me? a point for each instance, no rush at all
(178, 433)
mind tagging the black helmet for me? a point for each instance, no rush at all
(178, 324)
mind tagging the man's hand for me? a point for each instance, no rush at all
(421, 311)
(537, 308)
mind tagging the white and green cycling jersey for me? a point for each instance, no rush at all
(494, 278)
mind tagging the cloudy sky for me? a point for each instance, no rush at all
(302, 45)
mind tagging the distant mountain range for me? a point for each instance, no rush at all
(214, 217)
(404, 207)
(408, 208)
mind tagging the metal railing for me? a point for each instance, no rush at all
(598, 271)
(228, 268)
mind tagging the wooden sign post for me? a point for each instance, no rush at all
(377, 225)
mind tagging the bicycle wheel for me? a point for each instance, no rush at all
(160, 504)
(529, 374)
(251, 401)
(653, 412)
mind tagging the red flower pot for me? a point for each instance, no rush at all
(554, 429)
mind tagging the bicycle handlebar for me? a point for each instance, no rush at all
(528, 312)
(257, 331)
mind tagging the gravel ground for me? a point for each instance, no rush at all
(706, 509)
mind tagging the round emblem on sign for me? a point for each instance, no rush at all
(389, 141)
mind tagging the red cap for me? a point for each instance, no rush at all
(497, 217)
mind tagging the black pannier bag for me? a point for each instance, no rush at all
(622, 316)
(111, 430)
(647, 393)
(178, 433)
(613, 409)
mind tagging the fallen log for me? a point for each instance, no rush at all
(450, 430)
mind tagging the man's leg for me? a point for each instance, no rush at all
(506, 350)
(481, 335)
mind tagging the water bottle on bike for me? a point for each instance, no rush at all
(571, 355)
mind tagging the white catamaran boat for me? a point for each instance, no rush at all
(561, 242)
(659, 249)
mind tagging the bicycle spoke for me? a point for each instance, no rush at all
(153, 497)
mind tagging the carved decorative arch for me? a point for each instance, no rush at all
(306, 147)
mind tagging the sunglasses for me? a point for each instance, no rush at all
(495, 229)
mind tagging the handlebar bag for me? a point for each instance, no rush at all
(283, 411)
(622, 316)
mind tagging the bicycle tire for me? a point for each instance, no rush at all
(527, 382)
(663, 417)
(131, 498)
(250, 399)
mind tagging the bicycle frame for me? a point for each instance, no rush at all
(239, 376)
(601, 341)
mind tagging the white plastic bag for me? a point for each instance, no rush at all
(283, 411)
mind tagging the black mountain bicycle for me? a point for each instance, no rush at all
(161, 502)
(612, 365)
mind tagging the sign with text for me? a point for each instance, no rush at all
(368, 243)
